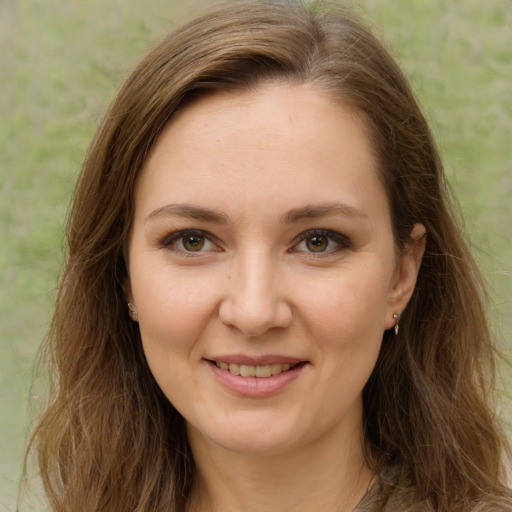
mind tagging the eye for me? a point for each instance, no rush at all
(189, 241)
(193, 242)
(321, 241)
(317, 243)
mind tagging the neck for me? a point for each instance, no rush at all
(319, 476)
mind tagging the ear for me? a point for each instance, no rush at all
(127, 289)
(132, 308)
(406, 273)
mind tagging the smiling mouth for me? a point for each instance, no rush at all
(265, 371)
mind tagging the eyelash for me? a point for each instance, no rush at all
(341, 240)
(172, 238)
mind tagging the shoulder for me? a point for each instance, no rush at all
(401, 500)
(391, 494)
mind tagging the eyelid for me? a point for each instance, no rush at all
(342, 240)
(169, 239)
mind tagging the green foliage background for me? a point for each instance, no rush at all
(62, 60)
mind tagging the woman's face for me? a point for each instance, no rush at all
(262, 246)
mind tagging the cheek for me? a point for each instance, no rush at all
(349, 306)
(173, 308)
(174, 313)
(347, 321)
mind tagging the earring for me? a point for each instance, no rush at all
(396, 316)
(132, 310)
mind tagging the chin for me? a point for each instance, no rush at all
(254, 436)
(261, 446)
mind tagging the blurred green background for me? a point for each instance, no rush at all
(62, 60)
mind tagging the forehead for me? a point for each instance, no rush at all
(281, 107)
(279, 142)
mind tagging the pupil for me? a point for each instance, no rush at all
(193, 243)
(317, 243)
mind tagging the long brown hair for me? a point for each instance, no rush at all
(109, 439)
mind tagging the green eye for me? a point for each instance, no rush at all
(193, 243)
(188, 241)
(317, 243)
(322, 242)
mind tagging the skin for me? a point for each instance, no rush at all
(296, 260)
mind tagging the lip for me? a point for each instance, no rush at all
(262, 360)
(257, 387)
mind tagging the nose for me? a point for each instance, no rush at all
(255, 302)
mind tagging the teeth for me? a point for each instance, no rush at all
(233, 368)
(246, 370)
(263, 371)
(276, 368)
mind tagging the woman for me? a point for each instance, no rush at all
(306, 327)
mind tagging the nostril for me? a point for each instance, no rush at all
(254, 319)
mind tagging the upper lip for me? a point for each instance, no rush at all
(262, 360)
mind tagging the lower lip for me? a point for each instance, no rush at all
(257, 387)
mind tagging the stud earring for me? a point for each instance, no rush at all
(132, 310)
(396, 316)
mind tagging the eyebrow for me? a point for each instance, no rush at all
(322, 210)
(296, 214)
(190, 212)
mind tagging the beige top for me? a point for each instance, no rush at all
(399, 500)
